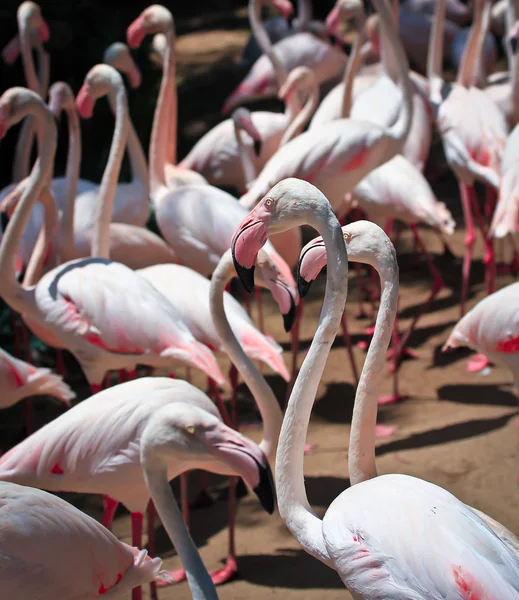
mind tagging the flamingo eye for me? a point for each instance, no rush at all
(191, 429)
(347, 237)
(268, 202)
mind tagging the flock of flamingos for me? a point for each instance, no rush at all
(79, 266)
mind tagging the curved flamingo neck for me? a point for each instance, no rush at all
(247, 166)
(299, 122)
(293, 504)
(361, 452)
(399, 130)
(354, 61)
(105, 199)
(200, 583)
(304, 13)
(435, 54)
(165, 118)
(71, 181)
(473, 47)
(138, 163)
(11, 290)
(268, 405)
(387, 54)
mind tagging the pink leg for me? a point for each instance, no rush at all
(96, 387)
(230, 569)
(137, 519)
(151, 544)
(470, 238)
(436, 287)
(349, 349)
(490, 202)
(214, 394)
(60, 363)
(488, 257)
(110, 506)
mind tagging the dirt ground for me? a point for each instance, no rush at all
(455, 429)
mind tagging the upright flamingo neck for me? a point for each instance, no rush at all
(361, 452)
(101, 233)
(352, 67)
(472, 50)
(200, 583)
(299, 122)
(262, 392)
(248, 168)
(138, 163)
(71, 181)
(304, 13)
(11, 290)
(435, 54)
(292, 500)
(387, 54)
(165, 118)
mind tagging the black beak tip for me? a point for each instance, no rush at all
(246, 276)
(290, 317)
(303, 286)
(513, 44)
(257, 147)
(265, 490)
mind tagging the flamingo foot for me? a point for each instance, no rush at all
(177, 576)
(385, 431)
(363, 345)
(226, 573)
(477, 363)
(389, 399)
(309, 448)
(369, 330)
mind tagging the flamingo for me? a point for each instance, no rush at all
(51, 549)
(196, 219)
(157, 424)
(492, 328)
(216, 154)
(473, 136)
(362, 534)
(336, 156)
(94, 306)
(301, 49)
(20, 380)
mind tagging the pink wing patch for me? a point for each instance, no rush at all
(102, 590)
(510, 346)
(357, 161)
(470, 589)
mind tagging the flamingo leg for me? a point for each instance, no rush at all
(361, 292)
(137, 520)
(490, 202)
(151, 544)
(488, 257)
(110, 506)
(349, 349)
(436, 287)
(60, 363)
(214, 394)
(470, 239)
(395, 342)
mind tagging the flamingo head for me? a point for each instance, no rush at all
(285, 7)
(118, 56)
(99, 81)
(15, 104)
(242, 119)
(154, 19)
(185, 434)
(29, 17)
(343, 9)
(300, 78)
(281, 288)
(61, 97)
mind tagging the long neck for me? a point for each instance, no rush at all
(248, 168)
(292, 501)
(200, 583)
(361, 453)
(165, 118)
(304, 13)
(399, 130)
(71, 179)
(354, 62)
(435, 53)
(34, 269)
(264, 41)
(11, 290)
(105, 199)
(300, 120)
(387, 55)
(262, 392)
(138, 164)
(472, 48)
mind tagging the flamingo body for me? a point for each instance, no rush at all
(50, 549)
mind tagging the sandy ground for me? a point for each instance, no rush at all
(455, 429)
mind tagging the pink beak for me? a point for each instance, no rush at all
(333, 19)
(85, 103)
(244, 458)
(311, 263)
(136, 33)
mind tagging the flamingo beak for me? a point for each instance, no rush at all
(311, 262)
(85, 103)
(247, 241)
(136, 32)
(257, 147)
(332, 21)
(244, 458)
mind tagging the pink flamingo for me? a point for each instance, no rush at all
(92, 306)
(491, 327)
(216, 154)
(473, 135)
(20, 380)
(196, 219)
(51, 549)
(336, 156)
(300, 49)
(362, 533)
(128, 441)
